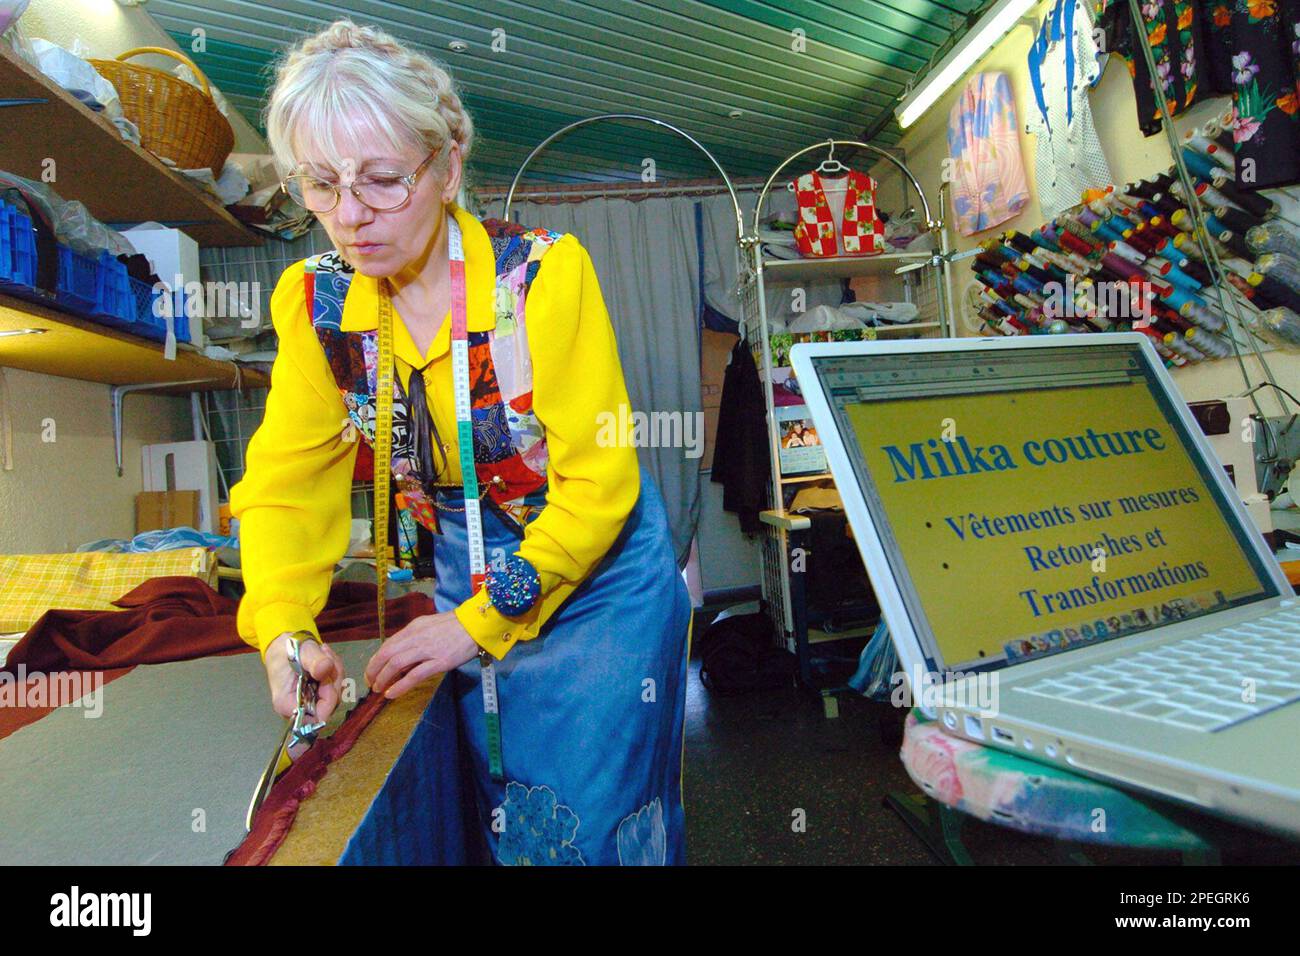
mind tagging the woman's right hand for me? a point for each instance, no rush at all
(320, 660)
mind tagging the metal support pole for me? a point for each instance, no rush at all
(120, 392)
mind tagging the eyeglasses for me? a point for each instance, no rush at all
(380, 191)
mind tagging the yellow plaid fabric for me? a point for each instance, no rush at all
(31, 584)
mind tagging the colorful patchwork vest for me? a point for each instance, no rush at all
(509, 441)
(863, 231)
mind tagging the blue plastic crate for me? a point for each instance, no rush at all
(150, 319)
(17, 248)
(114, 303)
(145, 320)
(78, 281)
(6, 243)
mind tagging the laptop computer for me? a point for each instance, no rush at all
(1065, 569)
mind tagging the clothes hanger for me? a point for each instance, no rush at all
(830, 166)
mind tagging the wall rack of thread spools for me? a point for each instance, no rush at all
(1128, 258)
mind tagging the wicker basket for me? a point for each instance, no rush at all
(177, 121)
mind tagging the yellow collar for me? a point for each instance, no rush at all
(361, 307)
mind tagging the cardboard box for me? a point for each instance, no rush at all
(160, 510)
(185, 466)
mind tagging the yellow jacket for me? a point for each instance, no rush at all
(294, 501)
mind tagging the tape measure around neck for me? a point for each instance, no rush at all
(465, 449)
(383, 448)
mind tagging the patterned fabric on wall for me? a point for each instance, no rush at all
(987, 171)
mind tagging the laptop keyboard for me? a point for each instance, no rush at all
(1199, 683)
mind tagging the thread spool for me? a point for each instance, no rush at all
(1179, 343)
(1199, 164)
(1271, 293)
(1106, 231)
(1205, 318)
(1279, 266)
(1235, 219)
(1167, 203)
(1273, 237)
(1281, 326)
(1076, 245)
(1208, 343)
(1253, 203)
(1122, 267)
(1233, 241)
(1125, 251)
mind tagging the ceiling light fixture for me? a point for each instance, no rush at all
(988, 30)
(457, 46)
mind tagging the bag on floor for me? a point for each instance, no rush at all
(737, 656)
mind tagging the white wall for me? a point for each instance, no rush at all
(64, 493)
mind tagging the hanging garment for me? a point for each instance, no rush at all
(988, 175)
(742, 462)
(1062, 65)
(861, 232)
(1254, 53)
(1176, 32)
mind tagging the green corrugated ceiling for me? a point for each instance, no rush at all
(798, 70)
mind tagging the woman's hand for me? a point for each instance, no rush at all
(429, 645)
(321, 661)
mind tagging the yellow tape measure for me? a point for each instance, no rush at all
(383, 444)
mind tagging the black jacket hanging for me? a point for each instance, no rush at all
(741, 458)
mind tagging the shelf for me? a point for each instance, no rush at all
(77, 348)
(841, 267)
(796, 479)
(905, 327)
(785, 519)
(120, 183)
(818, 636)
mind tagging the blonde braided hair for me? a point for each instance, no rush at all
(353, 76)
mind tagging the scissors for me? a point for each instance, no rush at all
(301, 732)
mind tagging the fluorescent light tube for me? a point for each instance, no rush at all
(990, 28)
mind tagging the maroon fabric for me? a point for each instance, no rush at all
(182, 618)
(276, 814)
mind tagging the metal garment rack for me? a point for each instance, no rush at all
(636, 117)
(783, 578)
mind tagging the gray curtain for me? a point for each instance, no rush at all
(647, 257)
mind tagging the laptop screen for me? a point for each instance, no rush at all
(1035, 500)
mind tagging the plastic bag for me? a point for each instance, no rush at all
(10, 11)
(877, 665)
(71, 221)
(76, 76)
(185, 73)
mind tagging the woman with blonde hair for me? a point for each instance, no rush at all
(580, 620)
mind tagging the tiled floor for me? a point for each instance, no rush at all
(753, 761)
